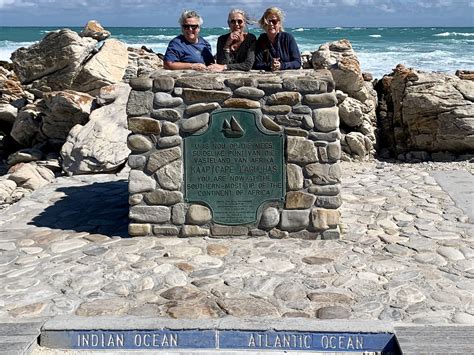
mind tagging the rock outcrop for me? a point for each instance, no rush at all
(429, 112)
(104, 68)
(54, 62)
(357, 100)
(101, 144)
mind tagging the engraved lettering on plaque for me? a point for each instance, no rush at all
(234, 167)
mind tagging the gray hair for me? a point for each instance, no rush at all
(189, 14)
(248, 20)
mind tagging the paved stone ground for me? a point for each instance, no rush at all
(406, 255)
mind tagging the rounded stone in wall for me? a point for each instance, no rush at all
(139, 143)
(198, 214)
(270, 218)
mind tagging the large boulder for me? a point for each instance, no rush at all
(95, 30)
(50, 119)
(54, 62)
(101, 144)
(26, 127)
(64, 109)
(427, 111)
(30, 175)
(104, 68)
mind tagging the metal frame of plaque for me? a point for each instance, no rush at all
(234, 167)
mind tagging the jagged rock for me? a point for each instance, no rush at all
(104, 68)
(65, 109)
(426, 112)
(11, 92)
(7, 114)
(95, 30)
(54, 62)
(24, 156)
(341, 60)
(140, 63)
(6, 189)
(30, 176)
(100, 145)
(26, 128)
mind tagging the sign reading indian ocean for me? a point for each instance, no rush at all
(234, 167)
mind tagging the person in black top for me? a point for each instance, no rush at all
(235, 50)
(276, 49)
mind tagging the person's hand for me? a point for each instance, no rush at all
(199, 67)
(216, 67)
(276, 64)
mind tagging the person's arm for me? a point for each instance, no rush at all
(249, 48)
(260, 56)
(183, 66)
(222, 56)
(294, 60)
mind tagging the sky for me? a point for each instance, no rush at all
(299, 13)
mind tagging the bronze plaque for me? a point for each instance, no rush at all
(234, 166)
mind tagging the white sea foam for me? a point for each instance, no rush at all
(299, 29)
(375, 36)
(337, 28)
(8, 47)
(448, 34)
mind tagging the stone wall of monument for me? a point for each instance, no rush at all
(168, 107)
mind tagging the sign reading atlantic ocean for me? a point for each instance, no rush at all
(234, 167)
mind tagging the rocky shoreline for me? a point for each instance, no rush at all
(62, 108)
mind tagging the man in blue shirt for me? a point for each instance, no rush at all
(188, 50)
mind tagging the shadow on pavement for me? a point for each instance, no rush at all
(100, 208)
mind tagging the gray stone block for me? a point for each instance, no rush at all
(195, 123)
(169, 129)
(301, 150)
(170, 177)
(145, 125)
(299, 200)
(168, 142)
(163, 83)
(294, 177)
(321, 100)
(331, 202)
(165, 231)
(249, 92)
(294, 220)
(141, 84)
(138, 182)
(167, 114)
(136, 161)
(163, 197)
(161, 158)
(140, 103)
(139, 143)
(198, 214)
(270, 218)
(326, 119)
(201, 107)
(164, 100)
(150, 214)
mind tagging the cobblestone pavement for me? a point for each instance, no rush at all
(406, 254)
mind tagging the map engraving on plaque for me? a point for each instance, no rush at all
(234, 167)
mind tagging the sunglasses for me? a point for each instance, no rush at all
(190, 27)
(274, 22)
(236, 22)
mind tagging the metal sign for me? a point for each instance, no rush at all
(234, 166)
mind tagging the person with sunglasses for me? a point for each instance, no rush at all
(236, 49)
(276, 49)
(188, 50)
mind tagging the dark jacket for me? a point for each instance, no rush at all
(285, 48)
(242, 59)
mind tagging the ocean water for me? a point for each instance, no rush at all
(379, 49)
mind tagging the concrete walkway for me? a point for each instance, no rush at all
(406, 256)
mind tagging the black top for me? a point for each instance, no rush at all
(242, 59)
(285, 48)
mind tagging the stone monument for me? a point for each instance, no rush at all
(234, 154)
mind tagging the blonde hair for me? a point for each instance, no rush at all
(189, 14)
(271, 11)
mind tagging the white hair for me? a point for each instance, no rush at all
(189, 14)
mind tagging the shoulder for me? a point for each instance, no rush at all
(286, 36)
(223, 37)
(203, 41)
(251, 37)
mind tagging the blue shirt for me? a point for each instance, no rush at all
(180, 50)
(285, 48)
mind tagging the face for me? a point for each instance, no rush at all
(236, 22)
(190, 29)
(273, 25)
